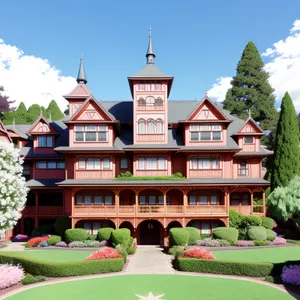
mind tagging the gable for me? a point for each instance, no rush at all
(206, 110)
(81, 90)
(41, 125)
(250, 127)
(4, 136)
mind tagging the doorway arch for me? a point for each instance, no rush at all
(150, 232)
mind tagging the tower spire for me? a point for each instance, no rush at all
(150, 54)
(81, 77)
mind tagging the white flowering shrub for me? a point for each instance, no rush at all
(13, 190)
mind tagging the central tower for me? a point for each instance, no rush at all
(150, 89)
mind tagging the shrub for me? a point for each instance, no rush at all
(43, 244)
(176, 250)
(249, 221)
(261, 243)
(63, 269)
(105, 234)
(77, 234)
(273, 279)
(225, 233)
(61, 244)
(130, 241)
(35, 241)
(53, 240)
(268, 223)
(205, 236)
(104, 253)
(131, 250)
(61, 225)
(103, 243)
(29, 279)
(26, 245)
(92, 244)
(121, 237)
(194, 235)
(43, 230)
(178, 237)
(197, 252)
(92, 237)
(224, 243)
(10, 275)
(279, 241)
(271, 235)
(77, 244)
(122, 251)
(291, 274)
(257, 233)
(244, 243)
(235, 219)
(242, 233)
(240, 268)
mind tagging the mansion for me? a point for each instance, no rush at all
(72, 165)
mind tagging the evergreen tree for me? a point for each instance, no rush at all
(251, 90)
(56, 113)
(34, 111)
(286, 159)
(20, 114)
(45, 112)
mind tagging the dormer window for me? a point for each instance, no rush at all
(248, 140)
(45, 141)
(91, 133)
(206, 132)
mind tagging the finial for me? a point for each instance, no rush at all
(150, 54)
(249, 112)
(81, 77)
(50, 117)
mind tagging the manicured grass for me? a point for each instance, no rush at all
(51, 255)
(175, 287)
(279, 254)
(294, 241)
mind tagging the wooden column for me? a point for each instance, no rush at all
(36, 222)
(264, 201)
(227, 200)
(185, 202)
(165, 202)
(117, 202)
(136, 202)
(251, 201)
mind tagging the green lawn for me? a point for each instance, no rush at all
(51, 255)
(279, 254)
(174, 287)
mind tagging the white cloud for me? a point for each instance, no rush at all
(219, 89)
(32, 79)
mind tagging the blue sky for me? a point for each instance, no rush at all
(195, 41)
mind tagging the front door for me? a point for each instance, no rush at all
(149, 233)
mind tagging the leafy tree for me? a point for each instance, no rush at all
(33, 112)
(13, 189)
(56, 113)
(286, 159)
(251, 90)
(5, 103)
(20, 114)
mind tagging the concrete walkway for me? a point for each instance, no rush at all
(150, 260)
(13, 247)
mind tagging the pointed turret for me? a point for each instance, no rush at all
(81, 78)
(150, 54)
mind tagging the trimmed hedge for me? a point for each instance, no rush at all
(261, 243)
(249, 221)
(64, 269)
(121, 237)
(268, 223)
(271, 235)
(241, 268)
(77, 234)
(226, 233)
(53, 240)
(62, 224)
(257, 233)
(131, 250)
(176, 250)
(194, 235)
(122, 251)
(178, 236)
(104, 234)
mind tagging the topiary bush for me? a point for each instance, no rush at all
(61, 225)
(226, 233)
(131, 250)
(92, 237)
(121, 237)
(77, 234)
(122, 251)
(268, 223)
(249, 221)
(235, 219)
(104, 234)
(178, 237)
(29, 279)
(53, 240)
(176, 250)
(43, 230)
(271, 235)
(257, 233)
(194, 235)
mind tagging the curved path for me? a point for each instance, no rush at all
(147, 260)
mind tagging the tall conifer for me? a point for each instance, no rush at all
(251, 90)
(56, 113)
(286, 159)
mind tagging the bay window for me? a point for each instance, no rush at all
(209, 132)
(91, 133)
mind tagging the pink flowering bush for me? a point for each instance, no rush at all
(244, 243)
(279, 241)
(197, 252)
(291, 274)
(10, 275)
(61, 244)
(105, 252)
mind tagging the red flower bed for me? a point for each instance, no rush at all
(197, 253)
(104, 253)
(37, 240)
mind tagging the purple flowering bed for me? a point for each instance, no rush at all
(291, 275)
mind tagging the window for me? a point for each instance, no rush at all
(213, 200)
(78, 200)
(205, 228)
(45, 141)
(94, 163)
(87, 200)
(141, 126)
(142, 200)
(90, 200)
(108, 200)
(151, 200)
(206, 132)
(106, 163)
(150, 100)
(239, 199)
(50, 165)
(248, 140)
(243, 168)
(158, 101)
(81, 163)
(91, 133)
(96, 227)
(192, 200)
(141, 101)
(204, 198)
(150, 127)
(201, 163)
(97, 200)
(151, 163)
(42, 165)
(124, 163)
(60, 165)
(159, 126)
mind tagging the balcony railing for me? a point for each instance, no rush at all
(206, 210)
(42, 210)
(248, 209)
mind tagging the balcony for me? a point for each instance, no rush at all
(248, 209)
(28, 211)
(206, 210)
(43, 210)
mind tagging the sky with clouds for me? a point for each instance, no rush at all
(40, 49)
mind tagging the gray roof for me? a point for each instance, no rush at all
(204, 181)
(42, 182)
(80, 149)
(151, 70)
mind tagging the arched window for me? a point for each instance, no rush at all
(141, 126)
(150, 126)
(150, 100)
(159, 126)
(242, 168)
(141, 101)
(158, 101)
